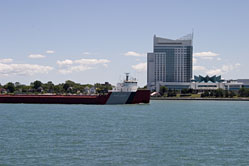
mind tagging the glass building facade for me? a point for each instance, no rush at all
(171, 61)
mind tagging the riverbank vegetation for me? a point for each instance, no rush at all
(218, 93)
(69, 87)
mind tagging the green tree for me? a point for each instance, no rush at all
(190, 90)
(66, 87)
(211, 94)
(227, 93)
(25, 88)
(205, 94)
(184, 91)
(219, 93)
(171, 93)
(163, 90)
(10, 87)
(37, 84)
(18, 86)
(48, 87)
(69, 86)
(59, 88)
(243, 92)
(232, 94)
(103, 88)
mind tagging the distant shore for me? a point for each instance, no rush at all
(192, 98)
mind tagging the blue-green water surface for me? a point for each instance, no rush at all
(160, 133)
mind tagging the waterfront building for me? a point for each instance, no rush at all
(245, 82)
(170, 65)
(170, 62)
(202, 83)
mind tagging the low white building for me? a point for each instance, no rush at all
(201, 84)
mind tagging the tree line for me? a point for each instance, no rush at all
(49, 87)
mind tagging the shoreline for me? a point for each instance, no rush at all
(191, 98)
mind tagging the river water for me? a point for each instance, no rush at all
(160, 133)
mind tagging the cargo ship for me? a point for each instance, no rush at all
(125, 92)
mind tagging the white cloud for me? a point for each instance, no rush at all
(199, 68)
(214, 72)
(227, 68)
(237, 65)
(194, 60)
(205, 54)
(7, 60)
(23, 69)
(65, 62)
(74, 69)
(36, 56)
(86, 53)
(83, 62)
(50, 52)
(91, 61)
(141, 67)
(132, 53)
(69, 66)
(223, 69)
(207, 58)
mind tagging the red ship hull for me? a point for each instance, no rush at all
(140, 96)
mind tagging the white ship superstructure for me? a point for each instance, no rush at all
(128, 85)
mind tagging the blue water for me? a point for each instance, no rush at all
(159, 133)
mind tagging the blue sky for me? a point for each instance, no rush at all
(97, 41)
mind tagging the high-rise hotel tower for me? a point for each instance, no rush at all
(170, 62)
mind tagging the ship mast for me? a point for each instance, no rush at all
(127, 76)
